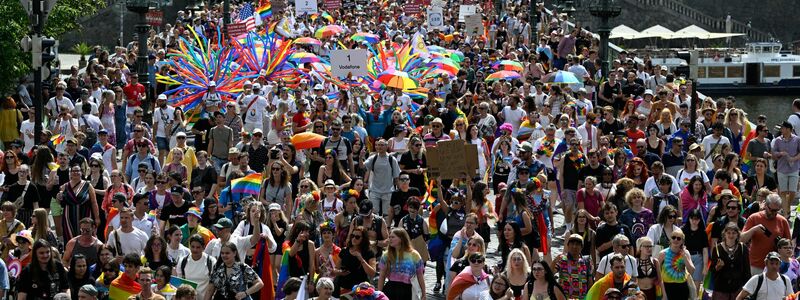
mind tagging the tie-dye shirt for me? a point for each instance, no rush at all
(404, 268)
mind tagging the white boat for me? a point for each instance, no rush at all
(761, 68)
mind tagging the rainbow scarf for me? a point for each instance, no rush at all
(123, 287)
(250, 184)
(599, 288)
(263, 264)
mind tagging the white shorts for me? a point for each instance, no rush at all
(787, 182)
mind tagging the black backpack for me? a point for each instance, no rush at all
(209, 265)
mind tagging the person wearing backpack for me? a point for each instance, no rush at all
(197, 266)
(768, 285)
(384, 170)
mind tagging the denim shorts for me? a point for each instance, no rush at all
(162, 143)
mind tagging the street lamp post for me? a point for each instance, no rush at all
(604, 9)
(141, 7)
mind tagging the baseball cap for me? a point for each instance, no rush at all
(176, 190)
(101, 131)
(786, 124)
(233, 150)
(162, 97)
(525, 147)
(256, 86)
(224, 223)
(575, 238)
(258, 130)
(180, 134)
(772, 255)
(365, 208)
(89, 290)
(318, 87)
(212, 83)
(274, 206)
(119, 197)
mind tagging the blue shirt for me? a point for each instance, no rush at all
(226, 198)
(131, 170)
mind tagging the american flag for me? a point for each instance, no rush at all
(247, 16)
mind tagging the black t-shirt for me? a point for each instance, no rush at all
(399, 202)
(206, 178)
(719, 225)
(695, 240)
(587, 171)
(15, 191)
(351, 263)
(176, 215)
(606, 233)
(202, 125)
(407, 161)
(751, 185)
(610, 128)
(45, 285)
(570, 173)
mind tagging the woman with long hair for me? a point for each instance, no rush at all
(178, 125)
(9, 167)
(356, 262)
(279, 123)
(155, 253)
(736, 121)
(475, 245)
(731, 164)
(24, 195)
(40, 228)
(98, 177)
(332, 169)
(501, 164)
(473, 137)
(697, 244)
(510, 240)
(79, 201)
(583, 227)
(760, 179)
(654, 142)
(483, 209)
(694, 196)
(326, 252)
(176, 165)
(35, 281)
(118, 185)
(232, 278)
(690, 170)
(730, 264)
(162, 278)
(665, 124)
(543, 283)
(278, 224)
(343, 219)
(398, 143)
(175, 250)
(360, 154)
(472, 281)
(276, 187)
(661, 232)
(628, 110)
(676, 266)
(10, 116)
(518, 271)
(106, 111)
(637, 217)
(647, 267)
(498, 289)
(211, 213)
(301, 248)
(398, 265)
(78, 275)
(637, 170)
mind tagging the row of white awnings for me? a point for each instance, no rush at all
(658, 31)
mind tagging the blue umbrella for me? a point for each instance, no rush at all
(561, 77)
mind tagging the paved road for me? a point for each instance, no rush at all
(493, 255)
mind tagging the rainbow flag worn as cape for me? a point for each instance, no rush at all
(749, 134)
(283, 274)
(599, 288)
(462, 281)
(250, 184)
(263, 265)
(123, 287)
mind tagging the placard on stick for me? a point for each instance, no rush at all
(471, 157)
(435, 18)
(353, 62)
(473, 25)
(466, 10)
(305, 7)
(452, 164)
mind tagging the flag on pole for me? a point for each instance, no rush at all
(248, 17)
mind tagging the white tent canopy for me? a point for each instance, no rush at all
(658, 31)
(623, 32)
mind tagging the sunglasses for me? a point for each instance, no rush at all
(537, 269)
(356, 237)
(477, 261)
(95, 166)
(673, 216)
(677, 238)
(405, 179)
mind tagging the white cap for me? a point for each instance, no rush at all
(162, 97)
(247, 82)
(318, 87)
(649, 92)
(212, 83)
(180, 134)
(256, 86)
(582, 91)
(258, 130)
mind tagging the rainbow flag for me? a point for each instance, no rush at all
(263, 265)
(250, 184)
(749, 134)
(283, 274)
(58, 139)
(264, 9)
(123, 287)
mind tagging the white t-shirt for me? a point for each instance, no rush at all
(178, 254)
(514, 117)
(254, 114)
(684, 177)
(708, 145)
(631, 267)
(90, 121)
(545, 159)
(197, 271)
(795, 121)
(651, 186)
(79, 107)
(242, 244)
(54, 105)
(162, 117)
(131, 242)
(25, 129)
(770, 289)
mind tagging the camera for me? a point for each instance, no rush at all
(273, 153)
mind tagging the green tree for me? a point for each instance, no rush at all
(63, 18)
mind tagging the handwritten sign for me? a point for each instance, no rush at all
(473, 25)
(305, 7)
(155, 17)
(435, 18)
(452, 165)
(432, 156)
(349, 62)
(471, 154)
(412, 9)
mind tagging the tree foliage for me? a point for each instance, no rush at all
(64, 18)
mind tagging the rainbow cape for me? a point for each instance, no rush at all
(250, 184)
(599, 288)
(123, 287)
(283, 274)
(749, 134)
(263, 265)
(461, 282)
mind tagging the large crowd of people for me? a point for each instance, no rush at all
(128, 197)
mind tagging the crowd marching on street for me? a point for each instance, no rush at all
(307, 186)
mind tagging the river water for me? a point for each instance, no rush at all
(776, 108)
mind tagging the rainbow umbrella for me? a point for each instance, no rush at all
(397, 79)
(307, 41)
(328, 31)
(446, 65)
(561, 77)
(502, 75)
(363, 36)
(435, 48)
(508, 65)
(304, 57)
(307, 140)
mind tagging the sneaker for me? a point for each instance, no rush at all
(437, 287)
